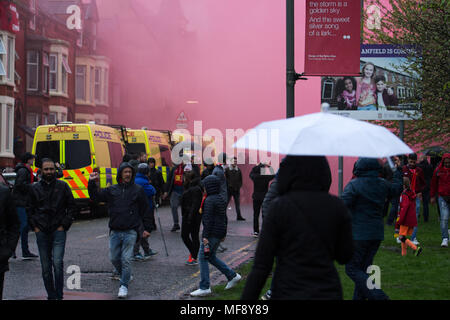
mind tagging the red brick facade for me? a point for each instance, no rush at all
(46, 56)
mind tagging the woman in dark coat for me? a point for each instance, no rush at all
(306, 229)
(191, 201)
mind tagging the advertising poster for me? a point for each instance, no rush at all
(385, 89)
(332, 39)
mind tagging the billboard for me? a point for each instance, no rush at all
(385, 89)
(332, 37)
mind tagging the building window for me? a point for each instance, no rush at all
(7, 58)
(32, 70)
(327, 92)
(52, 118)
(105, 86)
(10, 58)
(92, 84)
(53, 72)
(98, 85)
(2, 57)
(65, 71)
(80, 82)
(45, 64)
(9, 127)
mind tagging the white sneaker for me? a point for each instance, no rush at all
(123, 292)
(399, 241)
(233, 281)
(415, 242)
(201, 293)
(444, 243)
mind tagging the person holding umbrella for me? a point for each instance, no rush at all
(364, 196)
(304, 238)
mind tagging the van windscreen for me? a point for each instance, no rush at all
(136, 148)
(78, 154)
(47, 149)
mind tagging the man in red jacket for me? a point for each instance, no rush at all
(440, 189)
(417, 178)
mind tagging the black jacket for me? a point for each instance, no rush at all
(128, 205)
(260, 182)
(9, 227)
(191, 200)
(214, 216)
(427, 169)
(234, 178)
(21, 185)
(50, 206)
(306, 230)
(157, 181)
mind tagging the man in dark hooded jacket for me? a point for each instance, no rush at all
(24, 179)
(9, 231)
(304, 237)
(364, 196)
(214, 219)
(130, 219)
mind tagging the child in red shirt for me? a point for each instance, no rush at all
(407, 220)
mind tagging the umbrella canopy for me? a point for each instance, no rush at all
(323, 134)
(436, 151)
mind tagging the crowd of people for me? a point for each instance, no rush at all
(302, 238)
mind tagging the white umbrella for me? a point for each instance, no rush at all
(323, 134)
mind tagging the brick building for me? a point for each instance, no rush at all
(53, 72)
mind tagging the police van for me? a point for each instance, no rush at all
(156, 144)
(80, 149)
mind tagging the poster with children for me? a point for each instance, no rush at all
(385, 89)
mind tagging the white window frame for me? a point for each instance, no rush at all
(6, 123)
(46, 68)
(7, 58)
(98, 85)
(80, 74)
(29, 65)
(53, 71)
(325, 83)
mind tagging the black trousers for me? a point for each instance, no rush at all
(257, 204)
(236, 196)
(2, 279)
(190, 234)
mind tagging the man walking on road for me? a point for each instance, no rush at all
(129, 219)
(9, 231)
(24, 179)
(234, 183)
(51, 209)
(174, 189)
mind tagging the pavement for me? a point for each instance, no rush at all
(161, 277)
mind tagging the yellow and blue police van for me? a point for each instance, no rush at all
(80, 149)
(156, 144)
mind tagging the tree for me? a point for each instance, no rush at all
(424, 24)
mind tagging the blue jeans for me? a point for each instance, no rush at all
(121, 244)
(219, 264)
(444, 208)
(51, 252)
(413, 236)
(24, 229)
(363, 253)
